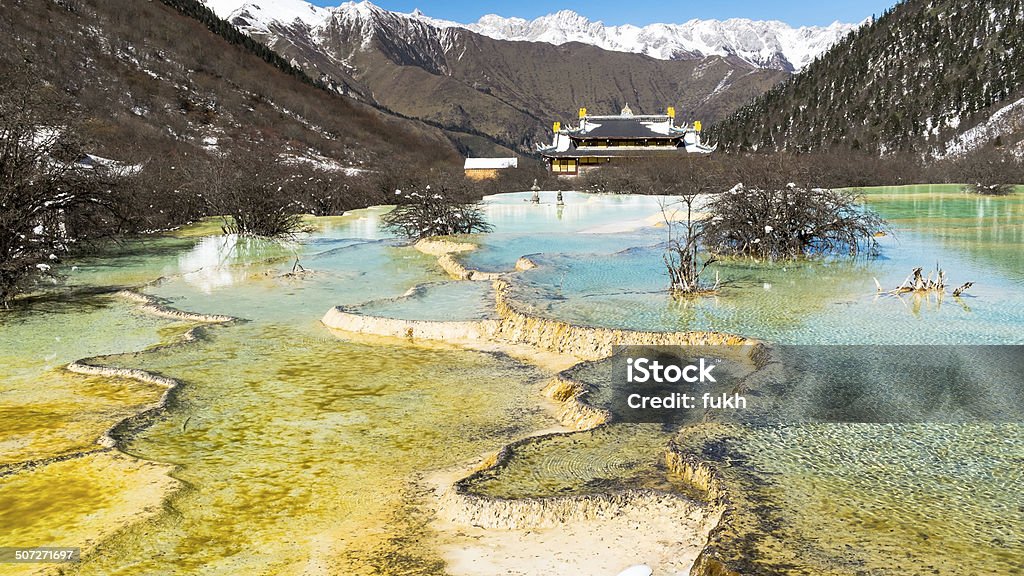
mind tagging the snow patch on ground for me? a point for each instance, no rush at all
(323, 163)
(1007, 119)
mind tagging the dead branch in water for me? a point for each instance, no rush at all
(920, 285)
(917, 282)
(962, 288)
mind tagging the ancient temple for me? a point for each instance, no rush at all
(598, 140)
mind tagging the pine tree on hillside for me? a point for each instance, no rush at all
(905, 82)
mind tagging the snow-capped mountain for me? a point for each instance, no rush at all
(939, 78)
(492, 91)
(765, 44)
(262, 13)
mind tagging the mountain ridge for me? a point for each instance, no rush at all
(762, 43)
(507, 91)
(173, 83)
(933, 78)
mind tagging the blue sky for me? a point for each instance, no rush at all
(640, 12)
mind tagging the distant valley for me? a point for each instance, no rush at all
(495, 86)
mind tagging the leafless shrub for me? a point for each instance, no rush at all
(990, 189)
(989, 171)
(320, 192)
(433, 212)
(163, 194)
(690, 179)
(253, 193)
(789, 223)
(49, 203)
(682, 257)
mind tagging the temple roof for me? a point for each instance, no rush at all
(642, 135)
(617, 127)
(614, 152)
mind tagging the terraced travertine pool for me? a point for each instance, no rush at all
(289, 450)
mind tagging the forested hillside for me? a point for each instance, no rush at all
(151, 80)
(935, 77)
(494, 96)
(123, 117)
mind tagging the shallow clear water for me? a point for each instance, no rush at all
(946, 496)
(324, 473)
(459, 300)
(823, 499)
(298, 451)
(323, 478)
(606, 458)
(870, 499)
(46, 411)
(972, 238)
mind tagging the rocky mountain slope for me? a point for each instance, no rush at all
(936, 78)
(498, 95)
(153, 80)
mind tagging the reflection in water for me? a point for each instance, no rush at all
(212, 263)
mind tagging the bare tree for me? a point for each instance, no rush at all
(255, 194)
(49, 203)
(779, 224)
(434, 212)
(988, 171)
(691, 180)
(682, 253)
(321, 192)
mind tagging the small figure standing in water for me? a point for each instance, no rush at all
(536, 192)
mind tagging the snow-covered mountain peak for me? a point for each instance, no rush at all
(567, 18)
(259, 14)
(768, 44)
(373, 20)
(362, 8)
(762, 43)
